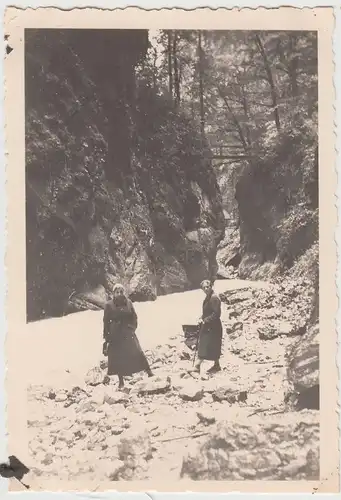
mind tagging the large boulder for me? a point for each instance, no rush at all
(153, 385)
(189, 390)
(259, 449)
(91, 299)
(303, 371)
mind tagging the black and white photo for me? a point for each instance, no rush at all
(173, 295)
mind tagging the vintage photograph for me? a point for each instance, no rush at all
(172, 256)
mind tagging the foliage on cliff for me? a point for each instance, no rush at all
(277, 192)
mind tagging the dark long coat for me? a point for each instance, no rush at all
(125, 355)
(211, 332)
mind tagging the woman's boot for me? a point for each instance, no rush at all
(215, 368)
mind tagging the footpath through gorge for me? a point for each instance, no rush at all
(233, 425)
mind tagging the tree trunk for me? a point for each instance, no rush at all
(176, 70)
(270, 81)
(293, 66)
(246, 113)
(170, 64)
(154, 69)
(201, 86)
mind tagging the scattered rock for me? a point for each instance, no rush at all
(117, 430)
(48, 459)
(76, 395)
(86, 405)
(206, 417)
(97, 395)
(153, 385)
(272, 331)
(232, 297)
(90, 418)
(102, 425)
(234, 330)
(190, 391)
(51, 394)
(185, 355)
(113, 396)
(230, 395)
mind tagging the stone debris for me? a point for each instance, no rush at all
(229, 395)
(273, 330)
(182, 424)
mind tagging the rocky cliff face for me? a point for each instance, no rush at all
(228, 254)
(117, 185)
(278, 212)
(278, 205)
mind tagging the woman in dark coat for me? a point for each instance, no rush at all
(121, 345)
(211, 331)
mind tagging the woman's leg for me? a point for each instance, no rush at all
(120, 382)
(198, 365)
(148, 369)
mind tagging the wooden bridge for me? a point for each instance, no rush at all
(228, 152)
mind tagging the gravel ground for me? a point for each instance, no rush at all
(176, 425)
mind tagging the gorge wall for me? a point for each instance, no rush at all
(277, 240)
(117, 184)
(278, 207)
(228, 254)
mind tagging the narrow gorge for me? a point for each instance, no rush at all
(118, 183)
(123, 185)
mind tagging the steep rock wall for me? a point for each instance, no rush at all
(117, 185)
(278, 206)
(228, 254)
